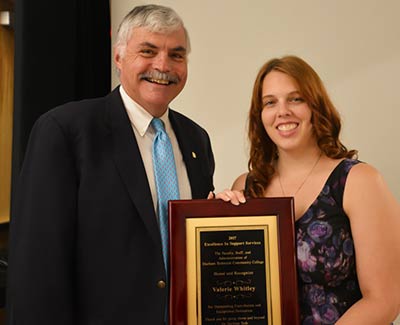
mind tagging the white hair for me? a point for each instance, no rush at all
(155, 18)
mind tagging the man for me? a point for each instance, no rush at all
(85, 243)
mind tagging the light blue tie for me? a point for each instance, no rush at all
(166, 180)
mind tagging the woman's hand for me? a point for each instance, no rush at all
(233, 196)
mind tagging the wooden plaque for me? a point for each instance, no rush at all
(233, 264)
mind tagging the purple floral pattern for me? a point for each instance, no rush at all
(327, 278)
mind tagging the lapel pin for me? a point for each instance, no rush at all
(194, 155)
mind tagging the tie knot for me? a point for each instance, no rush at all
(158, 125)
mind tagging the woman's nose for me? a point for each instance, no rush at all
(283, 109)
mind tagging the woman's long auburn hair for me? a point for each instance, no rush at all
(325, 120)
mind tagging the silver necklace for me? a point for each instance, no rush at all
(305, 179)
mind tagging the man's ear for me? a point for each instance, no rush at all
(117, 57)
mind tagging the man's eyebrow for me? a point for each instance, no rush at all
(179, 49)
(148, 44)
(175, 49)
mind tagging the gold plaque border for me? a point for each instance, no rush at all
(6, 119)
(268, 224)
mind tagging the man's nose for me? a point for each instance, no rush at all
(162, 62)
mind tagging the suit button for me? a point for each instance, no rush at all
(161, 284)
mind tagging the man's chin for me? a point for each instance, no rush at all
(156, 107)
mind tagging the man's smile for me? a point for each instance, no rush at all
(161, 78)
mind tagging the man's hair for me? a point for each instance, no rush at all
(155, 18)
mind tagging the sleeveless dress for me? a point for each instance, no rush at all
(327, 279)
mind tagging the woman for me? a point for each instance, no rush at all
(347, 221)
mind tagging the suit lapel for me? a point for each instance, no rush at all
(129, 163)
(190, 156)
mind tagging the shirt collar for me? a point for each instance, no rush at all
(138, 116)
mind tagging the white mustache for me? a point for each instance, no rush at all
(159, 77)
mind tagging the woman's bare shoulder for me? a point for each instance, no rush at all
(240, 182)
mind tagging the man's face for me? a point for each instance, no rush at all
(153, 69)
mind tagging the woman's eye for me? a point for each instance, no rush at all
(268, 103)
(297, 100)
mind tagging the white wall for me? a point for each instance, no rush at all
(353, 45)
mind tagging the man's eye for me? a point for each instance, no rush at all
(147, 52)
(178, 56)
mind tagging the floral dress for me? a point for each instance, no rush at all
(327, 278)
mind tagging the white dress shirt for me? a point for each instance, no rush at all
(140, 122)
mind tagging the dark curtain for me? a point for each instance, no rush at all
(62, 53)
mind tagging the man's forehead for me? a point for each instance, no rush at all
(141, 34)
(171, 40)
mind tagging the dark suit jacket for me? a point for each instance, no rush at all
(84, 244)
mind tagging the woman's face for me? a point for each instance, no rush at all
(285, 115)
